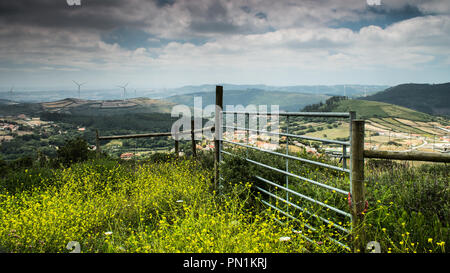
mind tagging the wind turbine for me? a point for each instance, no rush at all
(124, 89)
(79, 87)
(345, 89)
(11, 91)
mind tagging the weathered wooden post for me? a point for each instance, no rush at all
(358, 201)
(217, 133)
(194, 148)
(97, 143)
(176, 146)
(411, 155)
(344, 148)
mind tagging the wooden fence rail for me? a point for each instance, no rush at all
(192, 132)
(413, 155)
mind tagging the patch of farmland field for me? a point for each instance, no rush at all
(406, 128)
(334, 133)
(394, 125)
(375, 122)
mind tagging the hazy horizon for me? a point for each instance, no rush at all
(73, 87)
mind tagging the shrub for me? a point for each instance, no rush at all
(393, 143)
(3, 166)
(161, 157)
(236, 170)
(74, 150)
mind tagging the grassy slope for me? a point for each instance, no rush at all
(371, 109)
(397, 118)
(20, 108)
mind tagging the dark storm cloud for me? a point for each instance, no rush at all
(93, 14)
(212, 16)
(261, 15)
(133, 38)
(154, 24)
(219, 18)
(382, 16)
(246, 9)
(110, 19)
(214, 27)
(216, 10)
(395, 15)
(163, 3)
(213, 19)
(130, 38)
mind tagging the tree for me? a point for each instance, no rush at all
(75, 150)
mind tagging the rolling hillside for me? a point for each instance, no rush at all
(288, 101)
(369, 109)
(388, 127)
(6, 102)
(89, 107)
(428, 98)
(332, 90)
(375, 109)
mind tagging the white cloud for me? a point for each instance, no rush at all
(299, 39)
(404, 45)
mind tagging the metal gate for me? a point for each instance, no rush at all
(286, 198)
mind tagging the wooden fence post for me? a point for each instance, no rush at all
(176, 146)
(97, 143)
(344, 148)
(358, 201)
(194, 148)
(217, 133)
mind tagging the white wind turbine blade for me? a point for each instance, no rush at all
(124, 87)
(79, 87)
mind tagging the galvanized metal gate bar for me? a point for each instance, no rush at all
(291, 157)
(307, 212)
(328, 187)
(296, 114)
(303, 196)
(344, 143)
(295, 219)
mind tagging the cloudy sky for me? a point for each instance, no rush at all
(170, 43)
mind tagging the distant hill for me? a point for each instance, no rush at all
(288, 101)
(428, 98)
(108, 107)
(22, 95)
(369, 109)
(89, 107)
(351, 90)
(6, 102)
